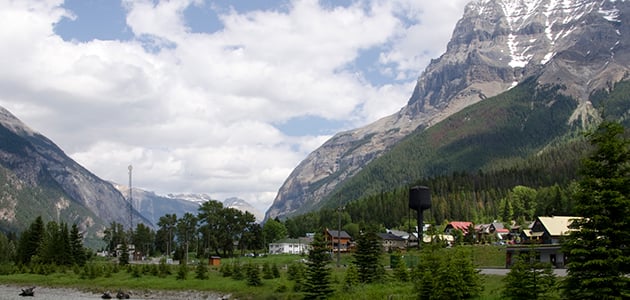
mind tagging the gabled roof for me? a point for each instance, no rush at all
(557, 225)
(463, 226)
(336, 233)
(497, 225)
(399, 233)
(390, 237)
(292, 241)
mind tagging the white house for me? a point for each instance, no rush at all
(289, 246)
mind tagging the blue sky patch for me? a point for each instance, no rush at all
(309, 125)
(95, 19)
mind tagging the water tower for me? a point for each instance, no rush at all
(420, 200)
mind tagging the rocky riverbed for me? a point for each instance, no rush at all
(10, 292)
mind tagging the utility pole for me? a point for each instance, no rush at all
(338, 231)
(130, 201)
(339, 237)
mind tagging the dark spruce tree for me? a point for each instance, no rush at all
(30, 240)
(253, 274)
(317, 285)
(367, 257)
(446, 274)
(529, 279)
(599, 247)
(123, 258)
(76, 246)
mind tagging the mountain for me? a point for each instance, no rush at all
(571, 48)
(198, 198)
(38, 178)
(243, 206)
(232, 202)
(153, 206)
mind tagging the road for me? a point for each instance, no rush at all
(558, 272)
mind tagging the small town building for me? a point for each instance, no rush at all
(392, 242)
(411, 239)
(338, 240)
(491, 232)
(214, 261)
(544, 236)
(290, 246)
(457, 225)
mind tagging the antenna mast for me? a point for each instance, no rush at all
(130, 201)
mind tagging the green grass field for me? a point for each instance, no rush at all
(141, 279)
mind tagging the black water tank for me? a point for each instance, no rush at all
(419, 198)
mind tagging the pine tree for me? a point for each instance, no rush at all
(400, 268)
(123, 258)
(201, 270)
(598, 248)
(253, 274)
(266, 269)
(275, 271)
(368, 256)
(317, 285)
(446, 274)
(182, 271)
(30, 241)
(76, 246)
(529, 279)
(351, 278)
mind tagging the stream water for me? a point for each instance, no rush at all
(9, 292)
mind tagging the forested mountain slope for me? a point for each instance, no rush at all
(566, 50)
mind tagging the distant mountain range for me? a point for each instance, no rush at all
(39, 179)
(154, 206)
(565, 51)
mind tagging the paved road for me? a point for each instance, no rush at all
(558, 272)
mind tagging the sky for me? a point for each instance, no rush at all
(222, 97)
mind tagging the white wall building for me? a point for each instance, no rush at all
(289, 246)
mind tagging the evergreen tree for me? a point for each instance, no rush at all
(400, 268)
(64, 256)
(275, 271)
(123, 258)
(253, 274)
(237, 271)
(7, 249)
(296, 272)
(599, 247)
(367, 257)
(317, 285)
(201, 270)
(267, 274)
(446, 274)
(182, 271)
(30, 240)
(352, 277)
(76, 246)
(529, 279)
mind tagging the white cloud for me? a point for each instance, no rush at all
(195, 114)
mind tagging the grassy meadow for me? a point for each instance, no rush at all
(101, 275)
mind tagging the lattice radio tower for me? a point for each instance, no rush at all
(130, 201)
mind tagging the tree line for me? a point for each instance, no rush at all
(214, 230)
(49, 243)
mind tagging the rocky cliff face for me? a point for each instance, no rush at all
(581, 45)
(32, 160)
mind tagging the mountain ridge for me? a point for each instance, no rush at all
(580, 46)
(62, 186)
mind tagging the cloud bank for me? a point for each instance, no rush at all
(204, 112)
